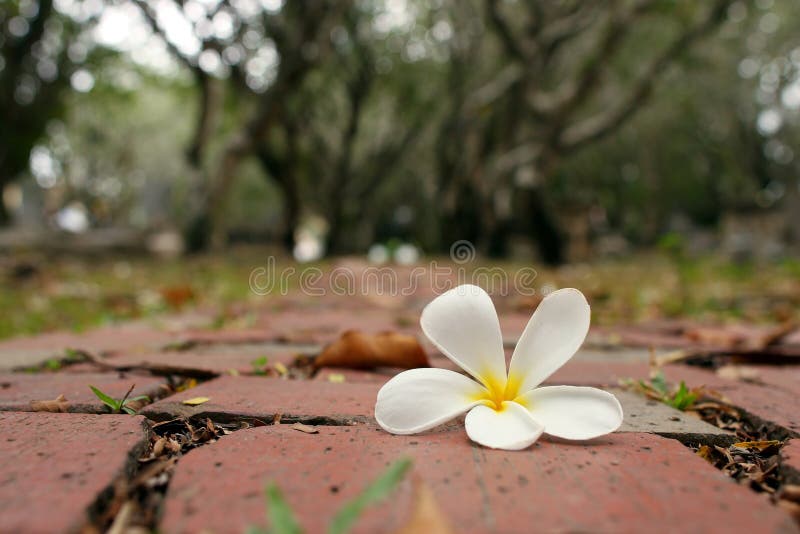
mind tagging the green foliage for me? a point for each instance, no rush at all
(681, 398)
(259, 366)
(375, 492)
(282, 518)
(121, 405)
(672, 243)
(283, 521)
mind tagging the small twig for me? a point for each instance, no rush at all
(122, 402)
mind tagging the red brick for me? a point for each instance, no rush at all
(263, 398)
(333, 374)
(622, 483)
(609, 373)
(325, 326)
(785, 377)
(53, 467)
(212, 358)
(17, 390)
(790, 454)
(31, 351)
(770, 404)
(244, 336)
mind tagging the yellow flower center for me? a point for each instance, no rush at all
(498, 393)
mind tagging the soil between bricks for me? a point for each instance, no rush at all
(54, 467)
(621, 483)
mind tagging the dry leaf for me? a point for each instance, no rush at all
(282, 370)
(792, 507)
(308, 429)
(791, 492)
(704, 452)
(195, 401)
(123, 518)
(158, 446)
(758, 445)
(57, 405)
(426, 516)
(739, 372)
(189, 384)
(358, 350)
(739, 336)
(176, 297)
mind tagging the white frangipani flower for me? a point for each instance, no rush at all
(505, 410)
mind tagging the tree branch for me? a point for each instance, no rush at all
(597, 126)
(571, 96)
(505, 33)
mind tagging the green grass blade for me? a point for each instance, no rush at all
(381, 488)
(108, 401)
(281, 517)
(659, 383)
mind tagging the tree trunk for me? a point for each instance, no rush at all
(544, 227)
(462, 222)
(5, 216)
(334, 240)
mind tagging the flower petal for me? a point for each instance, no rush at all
(553, 335)
(420, 399)
(511, 428)
(463, 324)
(572, 412)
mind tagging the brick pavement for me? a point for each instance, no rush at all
(56, 468)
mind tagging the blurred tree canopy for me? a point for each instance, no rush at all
(489, 120)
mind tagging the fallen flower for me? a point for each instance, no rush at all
(505, 410)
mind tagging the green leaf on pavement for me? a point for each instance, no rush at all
(106, 399)
(377, 491)
(281, 517)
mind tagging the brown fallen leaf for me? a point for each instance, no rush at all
(158, 446)
(791, 507)
(188, 384)
(308, 429)
(704, 452)
(739, 336)
(791, 492)
(176, 297)
(57, 405)
(758, 445)
(426, 516)
(741, 373)
(358, 350)
(123, 518)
